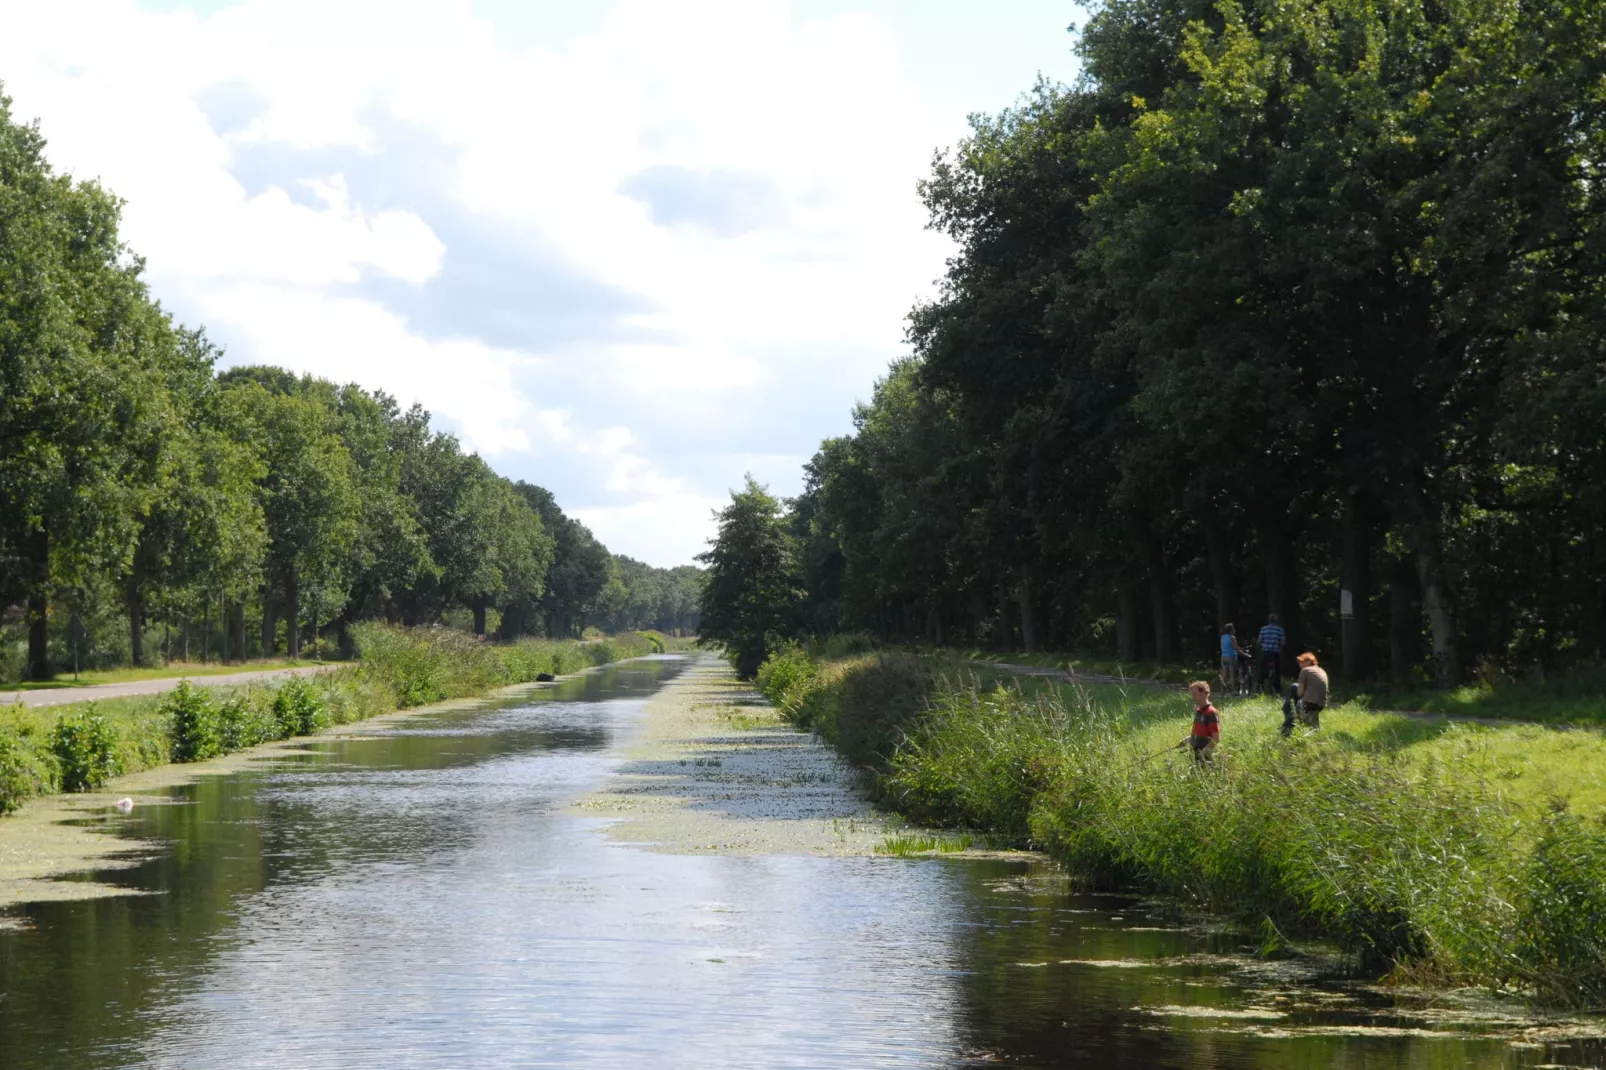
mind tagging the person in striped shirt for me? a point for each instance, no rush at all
(1272, 639)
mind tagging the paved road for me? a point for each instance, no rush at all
(59, 696)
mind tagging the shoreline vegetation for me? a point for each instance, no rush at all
(80, 746)
(1430, 851)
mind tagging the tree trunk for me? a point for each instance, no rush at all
(1219, 552)
(292, 612)
(1126, 624)
(978, 616)
(136, 626)
(236, 638)
(206, 629)
(1441, 616)
(1405, 623)
(1355, 576)
(479, 617)
(268, 623)
(1028, 614)
(933, 625)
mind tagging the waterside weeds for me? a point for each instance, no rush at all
(1419, 849)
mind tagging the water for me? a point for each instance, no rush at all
(424, 898)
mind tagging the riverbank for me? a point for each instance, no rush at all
(1450, 853)
(56, 834)
(80, 746)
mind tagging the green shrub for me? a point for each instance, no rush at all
(245, 720)
(788, 678)
(85, 748)
(879, 701)
(193, 723)
(654, 640)
(21, 774)
(298, 709)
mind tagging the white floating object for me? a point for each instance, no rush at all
(124, 805)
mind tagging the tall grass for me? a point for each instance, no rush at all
(77, 748)
(1453, 853)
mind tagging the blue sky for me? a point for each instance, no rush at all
(630, 251)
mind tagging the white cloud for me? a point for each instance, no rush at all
(792, 304)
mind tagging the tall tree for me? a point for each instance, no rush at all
(751, 597)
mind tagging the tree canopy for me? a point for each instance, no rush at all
(1283, 299)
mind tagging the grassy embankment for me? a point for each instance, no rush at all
(1452, 853)
(79, 746)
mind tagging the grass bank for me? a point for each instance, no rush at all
(79, 747)
(1448, 852)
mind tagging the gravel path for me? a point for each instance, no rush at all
(60, 696)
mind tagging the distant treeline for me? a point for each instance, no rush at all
(251, 508)
(1278, 301)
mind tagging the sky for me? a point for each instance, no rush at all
(631, 251)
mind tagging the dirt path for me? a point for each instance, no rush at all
(60, 696)
(716, 769)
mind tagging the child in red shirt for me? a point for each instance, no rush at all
(1206, 724)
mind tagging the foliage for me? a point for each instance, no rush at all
(298, 709)
(21, 775)
(85, 748)
(245, 720)
(196, 723)
(1277, 301)
(750, 599)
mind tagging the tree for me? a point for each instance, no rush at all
(750, 601)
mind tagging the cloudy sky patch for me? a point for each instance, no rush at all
(628, 250)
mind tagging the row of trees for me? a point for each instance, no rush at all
(135, 479)
(1283, 299)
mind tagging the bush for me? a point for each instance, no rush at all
(880, 700)
(20, 775)
(193, 723)
(788, 678)
(424, 665)
(298, 709)
(85, 748)
(245, 720)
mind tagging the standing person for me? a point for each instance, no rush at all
(1231, 656)
(1272, 638)
(1311, 690)
(1206, 724)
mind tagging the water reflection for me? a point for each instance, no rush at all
(422, 898)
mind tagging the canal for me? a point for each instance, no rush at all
(427, 894)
